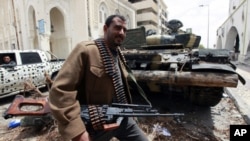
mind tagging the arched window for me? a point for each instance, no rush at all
(103, 13)
(128, 22)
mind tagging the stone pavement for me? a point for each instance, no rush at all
(241, 94)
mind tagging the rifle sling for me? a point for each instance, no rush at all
(138, 87)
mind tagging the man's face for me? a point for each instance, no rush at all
(6, 59)
(115, 33)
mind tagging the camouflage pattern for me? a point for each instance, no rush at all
(164, 63)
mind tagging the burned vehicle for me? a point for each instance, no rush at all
(173, 63)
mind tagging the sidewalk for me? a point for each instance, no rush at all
(241, 94)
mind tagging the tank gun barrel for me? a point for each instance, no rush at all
(211, 79)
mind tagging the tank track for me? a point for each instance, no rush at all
(205, 96)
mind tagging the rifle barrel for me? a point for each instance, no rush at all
(147, 114)
(131, 105)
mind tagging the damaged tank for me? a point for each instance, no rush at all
(173, 63)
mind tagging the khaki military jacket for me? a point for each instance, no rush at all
(81, 80)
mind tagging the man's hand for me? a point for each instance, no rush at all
(82, 137)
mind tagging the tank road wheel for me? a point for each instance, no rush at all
(205, 96)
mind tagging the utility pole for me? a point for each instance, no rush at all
(207, 23)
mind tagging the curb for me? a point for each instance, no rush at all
(240, 104)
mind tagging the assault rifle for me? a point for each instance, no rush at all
(104, 117)
(108, 117)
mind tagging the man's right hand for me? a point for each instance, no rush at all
(82, 137)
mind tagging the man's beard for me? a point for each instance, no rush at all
(117, 44)
(118, 41)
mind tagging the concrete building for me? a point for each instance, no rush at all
(234, 33)
(151, 14)
(48, 25)
(58, 25)
(7, 25)
(163, 17)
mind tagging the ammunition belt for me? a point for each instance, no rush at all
(95, 114)
(112, 70)
(96, 117)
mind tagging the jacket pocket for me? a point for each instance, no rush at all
(100, 86)
(97, 71)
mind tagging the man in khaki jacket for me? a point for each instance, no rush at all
(94, 73)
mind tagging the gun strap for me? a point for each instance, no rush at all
(138, 87)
